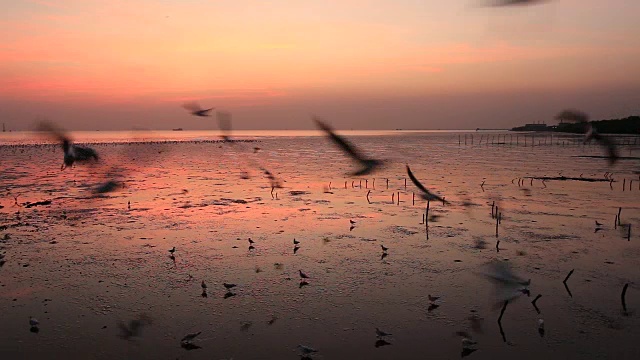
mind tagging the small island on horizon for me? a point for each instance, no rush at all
(628, 125)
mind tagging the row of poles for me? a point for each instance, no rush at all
(535, 140)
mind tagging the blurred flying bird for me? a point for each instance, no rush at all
(72, 153)
(134, 328)
(591, 133)
(368, 165)
(508, 285)
(612, 150)
(426, 194)
(196, 110)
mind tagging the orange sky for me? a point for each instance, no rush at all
(102, 64)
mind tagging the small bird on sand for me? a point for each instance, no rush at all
(598, 224)
(433, 298)
(381, 334)
(190, 337)
(251, 242)
(467, 342)
(33, 321)
(203, 285)
(229, 286)
(295, 242)
(195, 109)
(303, 275)
(352, 222)
(384, 248)
(172, 250)
(306, 350)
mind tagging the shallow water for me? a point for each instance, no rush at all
(84, 263)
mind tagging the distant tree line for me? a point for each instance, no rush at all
(628, 125)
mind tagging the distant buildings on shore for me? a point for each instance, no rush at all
(628, 125)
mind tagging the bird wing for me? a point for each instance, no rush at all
(224, 123)
(55, 132)
(192, 106)
(572, 115)
(339, 140)
(604, 141)
(420, 186)
(612, 149)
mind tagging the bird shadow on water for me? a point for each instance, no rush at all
(381, 342)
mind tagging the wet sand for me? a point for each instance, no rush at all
(81, 264)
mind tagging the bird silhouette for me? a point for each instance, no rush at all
(367, 165)
(426, 194)
(195, 109)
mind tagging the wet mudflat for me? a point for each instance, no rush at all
(83, 263)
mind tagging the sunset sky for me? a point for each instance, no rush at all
(362, 64)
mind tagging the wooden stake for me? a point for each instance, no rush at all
(622, 297)
(398, 197)
(568, 276)
(413, 199)
(534, 302)
(619, 210)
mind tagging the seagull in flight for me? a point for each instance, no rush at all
(426, 194)
(196, 110)
(591, 133)
(612, 150)
(367, 165)
(501, 3)
(72, 153)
